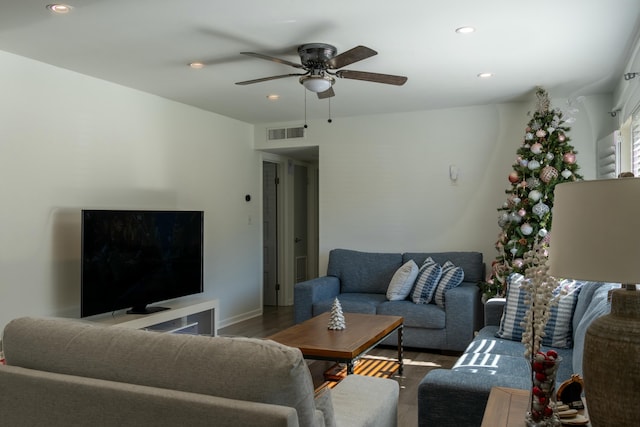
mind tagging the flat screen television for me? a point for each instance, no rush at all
(133, 258)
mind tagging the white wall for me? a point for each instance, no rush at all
(69, 142)
(384, 180)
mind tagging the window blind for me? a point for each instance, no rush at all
(635, 143)
(608, 152)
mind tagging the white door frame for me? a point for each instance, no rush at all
(286, 235)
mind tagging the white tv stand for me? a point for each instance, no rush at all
(192, 315)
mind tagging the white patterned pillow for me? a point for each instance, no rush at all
(426, 282)
(559, 329)
(402, 281)
(451, 277)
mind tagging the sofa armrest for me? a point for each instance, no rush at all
(450, 398)
(493, 311)
(463, 312)
(305, 294)
(366, 401)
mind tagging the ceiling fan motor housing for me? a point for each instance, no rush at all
(315, 55)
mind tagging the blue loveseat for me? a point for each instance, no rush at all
(489, 361)
(360, 281)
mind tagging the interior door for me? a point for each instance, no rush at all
(301, 240)
(270, 239)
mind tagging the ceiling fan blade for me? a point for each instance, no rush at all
(272, 58)
(356, 54)
(264, 79)
(372, 77)
(326, 94)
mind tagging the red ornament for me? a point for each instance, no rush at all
(513, 177)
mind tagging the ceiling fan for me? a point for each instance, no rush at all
(318, 60)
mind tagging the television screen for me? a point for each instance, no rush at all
(134, 258)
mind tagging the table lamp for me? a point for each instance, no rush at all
(595, 236)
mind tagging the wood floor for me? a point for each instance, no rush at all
(416, 363)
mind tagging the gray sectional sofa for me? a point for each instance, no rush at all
(360, 281)
(457, 397)
(63, 372)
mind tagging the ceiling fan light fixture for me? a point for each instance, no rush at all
(317, 84)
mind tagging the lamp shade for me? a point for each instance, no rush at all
(595, 231)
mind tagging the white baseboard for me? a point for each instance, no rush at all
(239, 318)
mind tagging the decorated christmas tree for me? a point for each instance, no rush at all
(544, 160)
(336, 319)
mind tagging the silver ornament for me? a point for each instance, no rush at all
(535, 195)
(533, 165)
(540, 209)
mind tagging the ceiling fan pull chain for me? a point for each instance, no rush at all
(305, 108)
(329, 111)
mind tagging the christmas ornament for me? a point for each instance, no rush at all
(513, 177)
(540, 209)
(540, 133)
(518, 262)
(533, 165)
(536, 148)
(549, 156)
(569, 158)
(516, 201)
(535, 195)
(533, 182)
(513, 217)
(542, 232)
(524, 163)
(502, 220)
(513, 251)
(528, 136)
(522, 212)
(566, 173)
(548, 173)
(561, 137)
(526, 229)
(336, 319)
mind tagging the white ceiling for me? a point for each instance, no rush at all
(571, 47)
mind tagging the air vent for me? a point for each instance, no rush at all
(285, 133)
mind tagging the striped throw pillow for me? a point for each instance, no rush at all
(451, 277)
(426, 282)
(559, 329)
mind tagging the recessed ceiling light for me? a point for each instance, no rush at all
(59, 8)
(196, 65)
(465, 30)
(273, 97)
(485, 75)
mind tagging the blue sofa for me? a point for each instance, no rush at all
(360, 281)
(489, 361)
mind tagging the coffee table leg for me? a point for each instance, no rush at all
(350, 367)
(400, 344)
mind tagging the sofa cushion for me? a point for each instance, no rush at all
(352, 303)
(471, 262)
(428, 316)
(363, 272)
(426, 282)
(584, 300)
(451, 277)
(493, 364)
(402, 281)
(558, 331)
(270, 372)
(599, 305)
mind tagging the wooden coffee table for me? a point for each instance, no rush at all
(363, 332)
